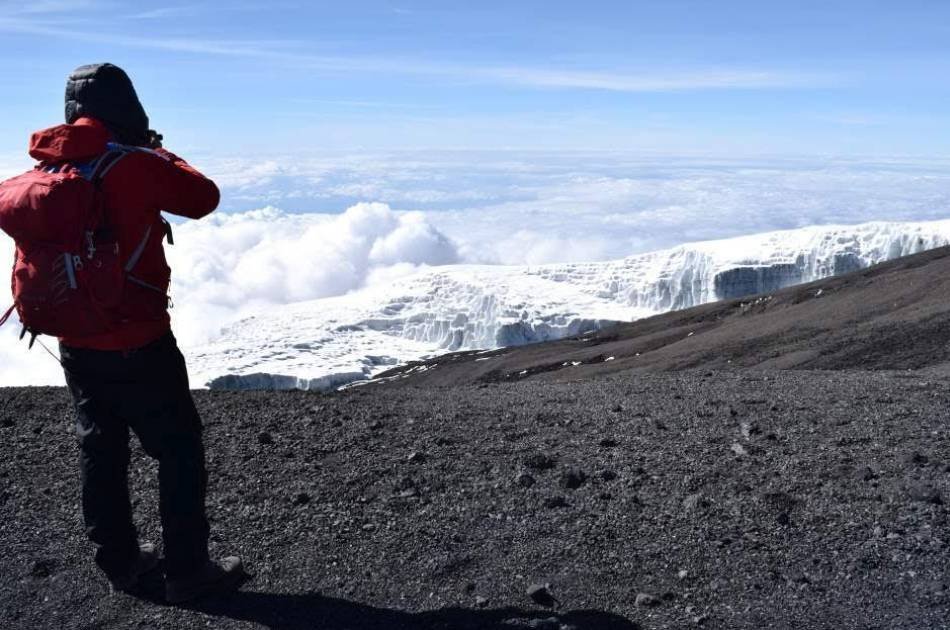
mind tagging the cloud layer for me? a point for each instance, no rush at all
(234, 264)
(439, 209)
(231, 265)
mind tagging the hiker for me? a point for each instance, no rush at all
(131, 375)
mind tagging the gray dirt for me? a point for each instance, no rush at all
(726, 499)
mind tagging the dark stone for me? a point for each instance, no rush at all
(265, 438)
(926, 494)
(555, 502)
(695, 501)
(608, 443)
(573, 479)
(43, 568)
(539, 461)
(525, 480)
(608, 475)
(301, 498)
(541, 594)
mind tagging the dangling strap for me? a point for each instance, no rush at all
(6, 316)
(168, 231)
(134, 258)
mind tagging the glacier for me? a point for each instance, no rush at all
(332, 342)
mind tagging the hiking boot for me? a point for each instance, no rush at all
(212, 579)
(146, 562)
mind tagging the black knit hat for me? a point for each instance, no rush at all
(105, 92)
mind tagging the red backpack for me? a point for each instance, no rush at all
(68, 277)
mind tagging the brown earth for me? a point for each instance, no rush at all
(892, 316)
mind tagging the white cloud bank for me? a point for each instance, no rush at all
(468, 208)
(228, 265)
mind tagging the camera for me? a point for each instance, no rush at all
(153, 139)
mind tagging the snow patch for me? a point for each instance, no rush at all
(327, 342)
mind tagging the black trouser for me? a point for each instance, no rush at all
(146, 390)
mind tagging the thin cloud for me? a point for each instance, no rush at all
(530, 77)
(49, 7)
(165, 12)
(710, 79)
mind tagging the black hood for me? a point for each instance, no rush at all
(105, 92)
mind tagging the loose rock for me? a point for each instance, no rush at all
(573, 479)
(539, 461)
(525, 480)
(541, 594)
(555, 502)
(695, 501)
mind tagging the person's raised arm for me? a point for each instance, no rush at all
(181, 189)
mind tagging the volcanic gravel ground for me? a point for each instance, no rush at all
(721, 500)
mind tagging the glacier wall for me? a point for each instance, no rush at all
(326, 343)
(703, 272)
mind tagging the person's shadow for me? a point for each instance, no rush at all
(312, 611)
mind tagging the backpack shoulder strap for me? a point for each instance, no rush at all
(92, 171)
(101, 167)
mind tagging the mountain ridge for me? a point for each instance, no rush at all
(329, 342)
(894, 315)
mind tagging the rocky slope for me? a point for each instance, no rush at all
(895, 315)
(665, 474)
(734, 499)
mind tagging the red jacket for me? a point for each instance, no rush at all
(137, 190)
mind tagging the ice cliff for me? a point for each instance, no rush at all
(326, 343)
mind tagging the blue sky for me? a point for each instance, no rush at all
(517, 132)
(674, 76)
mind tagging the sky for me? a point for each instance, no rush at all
(676, 76)
(360, 141)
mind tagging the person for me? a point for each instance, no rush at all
(134, 376)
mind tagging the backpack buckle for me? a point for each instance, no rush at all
(90, 245)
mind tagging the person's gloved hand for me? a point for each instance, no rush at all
(154, 140)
